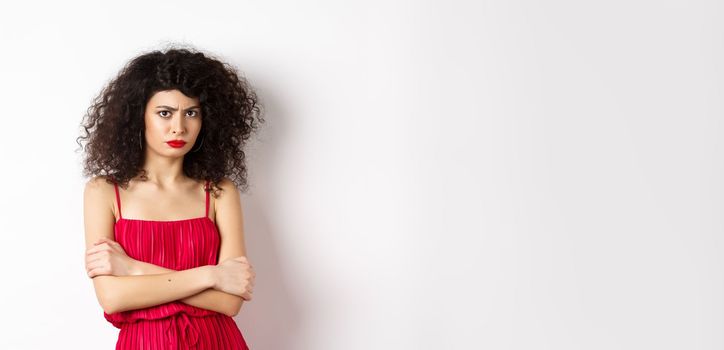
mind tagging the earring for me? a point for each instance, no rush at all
(140, 138)
(200, 144)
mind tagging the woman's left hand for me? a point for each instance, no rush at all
(107, 257)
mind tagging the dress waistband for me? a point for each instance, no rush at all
(181, 329)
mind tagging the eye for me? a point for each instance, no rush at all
(195, 113)
(163, 116)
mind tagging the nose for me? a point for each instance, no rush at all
(178, 126)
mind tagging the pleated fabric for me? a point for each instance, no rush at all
(177, 245)
(182, 332)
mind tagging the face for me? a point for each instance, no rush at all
(170, 115)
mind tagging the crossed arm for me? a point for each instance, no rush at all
(152, 285)
(210, 299)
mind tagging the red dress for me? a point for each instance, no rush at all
(177, 245)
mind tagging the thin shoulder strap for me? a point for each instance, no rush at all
(118, 200)
(206, 188)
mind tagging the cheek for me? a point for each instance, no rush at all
(153, 125)
(195, 127)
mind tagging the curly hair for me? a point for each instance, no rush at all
(114, 123)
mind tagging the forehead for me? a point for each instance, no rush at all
(172, 98)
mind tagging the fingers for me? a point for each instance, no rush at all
(242, 259)
(98, 255)
(93, 265)
(98, 270)
(101, 243)
(105, 240)
(104, 243)
(97, 261)
(97, 249)
(92, 258)
(248, 272)
(245, 260)
(247, 294)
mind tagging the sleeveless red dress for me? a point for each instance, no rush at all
(177, 245)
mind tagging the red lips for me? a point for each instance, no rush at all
(176, 143)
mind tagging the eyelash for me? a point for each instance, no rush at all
(165, 117)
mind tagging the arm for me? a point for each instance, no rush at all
(230, 223)
(210, 299)
(121, 293)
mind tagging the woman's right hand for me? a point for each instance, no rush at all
(235, 276)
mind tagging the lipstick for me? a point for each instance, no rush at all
(176, 143)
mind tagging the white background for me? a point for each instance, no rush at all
(432, 174)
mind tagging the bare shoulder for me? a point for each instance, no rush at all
(98, 210)
(228, 199)
(97, 188)
(228, 187)
(99, 192)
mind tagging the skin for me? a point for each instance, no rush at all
(122, 283)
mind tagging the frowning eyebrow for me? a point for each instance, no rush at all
(176, 109)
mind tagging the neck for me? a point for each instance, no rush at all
(164, 172)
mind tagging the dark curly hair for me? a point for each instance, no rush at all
(114, 122)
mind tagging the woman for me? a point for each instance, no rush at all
(162, 136)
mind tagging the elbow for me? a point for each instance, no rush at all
(108, 304)
(234, 307)
(106, 298)
(108, 310)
